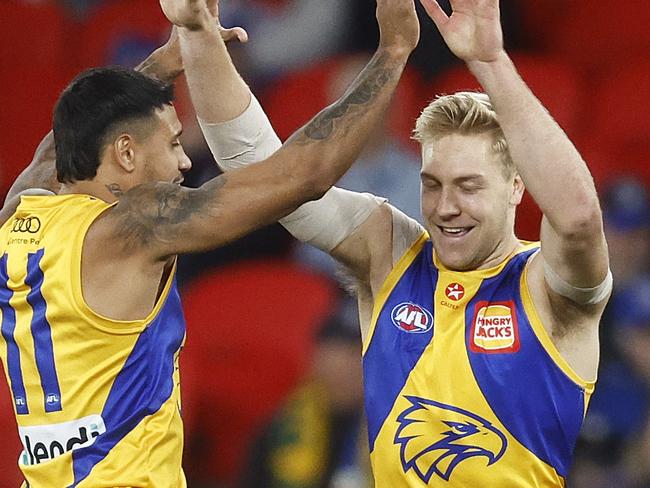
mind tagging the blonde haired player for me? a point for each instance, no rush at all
(480, 350)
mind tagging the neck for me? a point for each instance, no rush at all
(110, 193)
(502, 250)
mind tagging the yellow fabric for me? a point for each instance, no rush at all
(443, 373)
(391, 280)
(89, 352)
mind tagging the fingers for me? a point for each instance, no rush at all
(213, 7)
(234, 34)
(435, 11)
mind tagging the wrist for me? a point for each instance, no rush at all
(207, 26)
(170, 61)
(395, 51)
(500, 61)
(165, 63)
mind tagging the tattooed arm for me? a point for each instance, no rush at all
(164, 219)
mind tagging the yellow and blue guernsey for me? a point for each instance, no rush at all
(463, 385)
(97, 401)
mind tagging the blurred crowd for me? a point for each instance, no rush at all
(272, 374)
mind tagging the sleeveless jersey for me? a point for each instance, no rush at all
(463, 385)
(97, 401)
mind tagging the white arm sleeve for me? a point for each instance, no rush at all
(582, 296)
(324, 223)
(245, 140)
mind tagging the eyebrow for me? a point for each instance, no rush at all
(469, 179)
(460, 179)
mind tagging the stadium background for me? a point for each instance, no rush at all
(254, 308)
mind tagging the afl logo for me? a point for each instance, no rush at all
(455, 291)
(31, 225)
(409, 317)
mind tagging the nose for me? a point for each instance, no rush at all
(447, 206)
(184, 163)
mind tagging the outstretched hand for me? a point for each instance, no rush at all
(194, 14)
(231, 34)
(473, 31)
(398, 24)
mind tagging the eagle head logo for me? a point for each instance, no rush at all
(434, 438)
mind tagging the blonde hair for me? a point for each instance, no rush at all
(464, 113)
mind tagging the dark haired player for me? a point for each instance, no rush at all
(92, 325)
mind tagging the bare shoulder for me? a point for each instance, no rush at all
(394, 233)
(406, 231)
(366, 252)
(121, 275)
(152, 217)
(372, 251)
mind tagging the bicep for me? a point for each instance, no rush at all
(581, 262)
(377, 245)
(164, 219)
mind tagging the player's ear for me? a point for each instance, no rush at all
(518, 189)
(123, 148)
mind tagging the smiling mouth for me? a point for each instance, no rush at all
(178, 181)
(454, 231)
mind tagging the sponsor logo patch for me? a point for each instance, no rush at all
(30, 225)
(46, 442)
(409, 317)
(494, 328)
(455, 291)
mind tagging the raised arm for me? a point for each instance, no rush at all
(164, 63)
(351, 226)
(218, 92)
(171, 219)
(573, 243)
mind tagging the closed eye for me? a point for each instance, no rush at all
(470, 188)
(430, 183)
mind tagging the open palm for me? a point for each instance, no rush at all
(473, 31)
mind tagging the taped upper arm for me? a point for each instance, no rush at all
(579, 262)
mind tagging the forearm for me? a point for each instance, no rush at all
(41, 173)
(331, 141)
(218, 92)
(165, 63)
(549, 164)
(246, 139)
(329, 144)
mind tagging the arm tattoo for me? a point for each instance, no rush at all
(157, 212)
(367, 86)
(154, 68)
